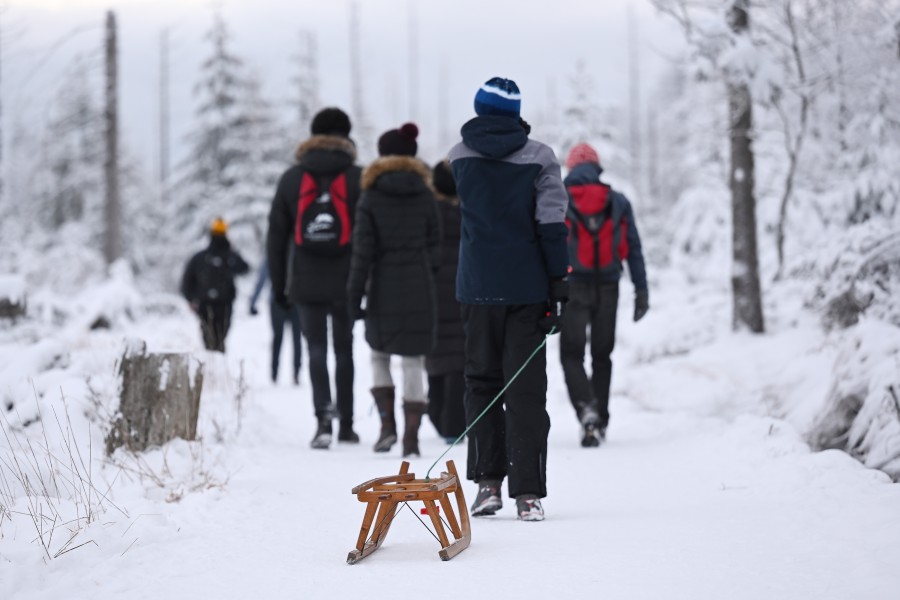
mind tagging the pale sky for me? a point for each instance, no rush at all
(462, 43)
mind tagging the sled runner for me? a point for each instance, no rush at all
(384, 495)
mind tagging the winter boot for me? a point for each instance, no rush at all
(322, 439)
(346, 433)
(412, 414)
(488, 501)
(591, 432)
(528, 507)
(384, 400)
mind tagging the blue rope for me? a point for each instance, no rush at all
(497, 397)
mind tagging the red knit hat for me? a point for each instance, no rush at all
(581, 153)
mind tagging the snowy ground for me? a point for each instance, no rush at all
(697, 494)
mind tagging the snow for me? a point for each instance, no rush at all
(700, 491)
(12, 288)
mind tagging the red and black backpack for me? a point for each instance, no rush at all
(598, 240)
(323, 216)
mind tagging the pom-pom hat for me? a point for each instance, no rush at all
(399, 141)
(498, 97)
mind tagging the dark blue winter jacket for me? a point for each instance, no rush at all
(584, 187)
(513, 205)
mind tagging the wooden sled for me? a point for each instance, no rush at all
(384, 495)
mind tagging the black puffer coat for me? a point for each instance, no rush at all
(448, 355)
(396, 249)
(304, 277)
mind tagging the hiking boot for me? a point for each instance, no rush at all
(322, 439)
(346, 433)
(488, 501)
(384, 400)
(592, 433)
(412, 414)
(528, 507)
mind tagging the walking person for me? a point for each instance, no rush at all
(208, 285)
(603, 236)
(279, 318)
(396, 247)
(511, 283)
(444, 364)
(309, 247)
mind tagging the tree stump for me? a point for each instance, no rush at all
(160, 399)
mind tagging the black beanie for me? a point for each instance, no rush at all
(442, 178)
(399, 141)
(330, 121)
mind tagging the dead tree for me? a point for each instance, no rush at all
(159, 401)
(793, 141)
(746, 292)
(113, 209)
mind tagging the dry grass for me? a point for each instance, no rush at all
(52, 481)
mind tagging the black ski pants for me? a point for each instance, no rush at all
(280, 317)
(511, 438)
(590, 306)
(215, 321)
(314, 321)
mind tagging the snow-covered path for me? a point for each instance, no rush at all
(677, 504)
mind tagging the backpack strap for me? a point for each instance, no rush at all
(338, 190)
(309, 191)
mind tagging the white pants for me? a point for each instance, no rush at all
(413, 375)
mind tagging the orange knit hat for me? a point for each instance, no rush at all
(218, 227)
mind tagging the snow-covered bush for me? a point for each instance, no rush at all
(862, 412)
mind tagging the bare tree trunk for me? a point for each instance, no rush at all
(164, 115)
(413, 62)
(796, 144)
(113, 208)
(364, 136)
(746, 292)
(2, 179)
(634, 102)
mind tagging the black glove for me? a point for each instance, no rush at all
(356, 311)
(559, 295)
(281, 299)
(253, 311)
(641, 304)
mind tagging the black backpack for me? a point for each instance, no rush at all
(215, 280)
(323, 216)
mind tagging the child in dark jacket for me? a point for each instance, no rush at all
(446, 384)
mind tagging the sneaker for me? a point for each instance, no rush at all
(488, 500)
(528, 507)
(322, 439)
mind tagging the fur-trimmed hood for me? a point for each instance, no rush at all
(332, 143)
(401, 165)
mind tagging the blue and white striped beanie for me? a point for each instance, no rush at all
(498, 97)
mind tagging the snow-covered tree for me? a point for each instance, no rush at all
(236, 149)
